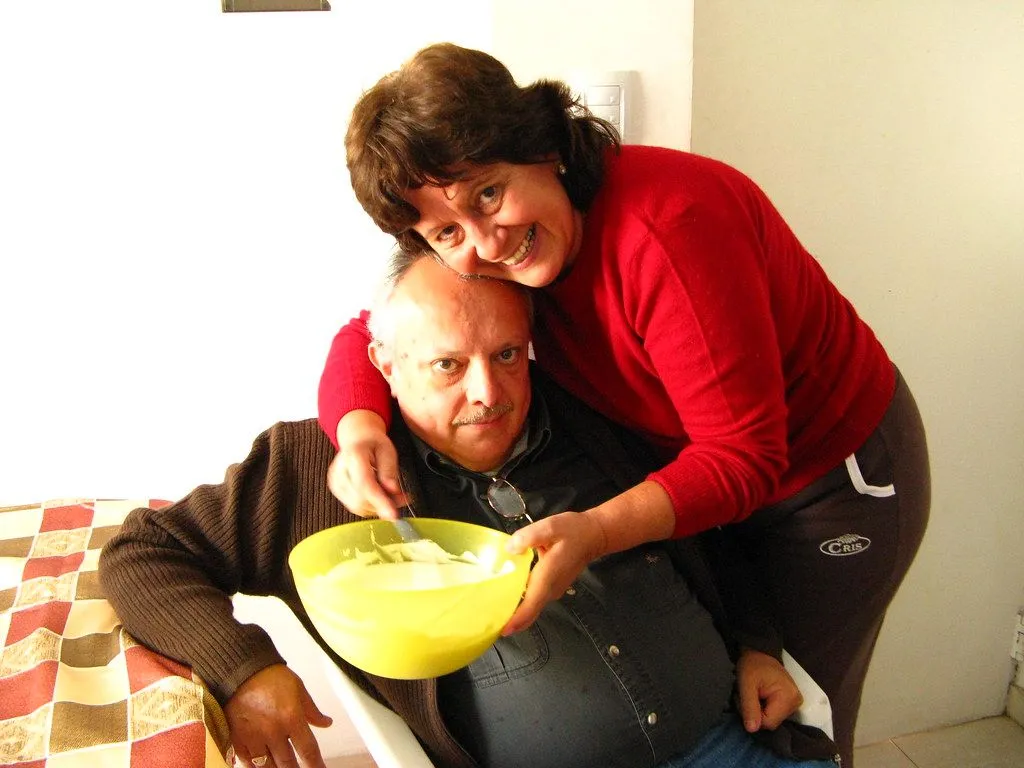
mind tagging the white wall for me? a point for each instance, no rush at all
(543, 38)
(179, 240)
(890, 135)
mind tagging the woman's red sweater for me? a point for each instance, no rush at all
(694, 316)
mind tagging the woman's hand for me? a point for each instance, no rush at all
(566, 543)
(569, 541)
(767, 693)
(364, 474)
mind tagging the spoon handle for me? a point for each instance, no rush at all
(406, 530)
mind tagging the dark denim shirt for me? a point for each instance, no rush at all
(626, 669)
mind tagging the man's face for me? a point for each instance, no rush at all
(458, 364)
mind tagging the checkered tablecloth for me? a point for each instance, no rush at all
(75, 688)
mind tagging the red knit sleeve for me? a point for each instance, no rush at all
(349, 381)
(702, 304)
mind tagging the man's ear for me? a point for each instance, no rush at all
(381, 360)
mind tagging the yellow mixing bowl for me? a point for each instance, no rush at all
(393, 621)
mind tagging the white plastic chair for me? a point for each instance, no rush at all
(392, 744)
(816, 709)
(389, 740)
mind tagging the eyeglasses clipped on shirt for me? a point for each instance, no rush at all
(507, 501)
(504, 498)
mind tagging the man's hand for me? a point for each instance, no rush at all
(566, 543)
(270, 714)
(768, 694)
(364, 474)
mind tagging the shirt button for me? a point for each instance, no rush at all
(570, 591)
(652, 718)
(613, 650)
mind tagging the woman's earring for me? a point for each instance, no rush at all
(561, 169)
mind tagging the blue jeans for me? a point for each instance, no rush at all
(727, 745)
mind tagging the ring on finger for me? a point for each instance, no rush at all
(260, 761)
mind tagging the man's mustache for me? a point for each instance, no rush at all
(485, 414)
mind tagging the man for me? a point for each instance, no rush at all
(630, 647)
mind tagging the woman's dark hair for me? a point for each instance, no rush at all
(450, 105)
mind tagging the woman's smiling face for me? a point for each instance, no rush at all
(504, 220)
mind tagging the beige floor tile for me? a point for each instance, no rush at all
(885, 754)
(995, 742)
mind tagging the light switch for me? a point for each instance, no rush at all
(602, 94)
(612, 96)
(611, 114)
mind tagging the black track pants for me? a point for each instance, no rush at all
(835, 553)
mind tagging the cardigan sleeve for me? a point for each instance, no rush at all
(170, 574)
(349, 381)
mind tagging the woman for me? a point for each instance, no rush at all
(675, 300)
